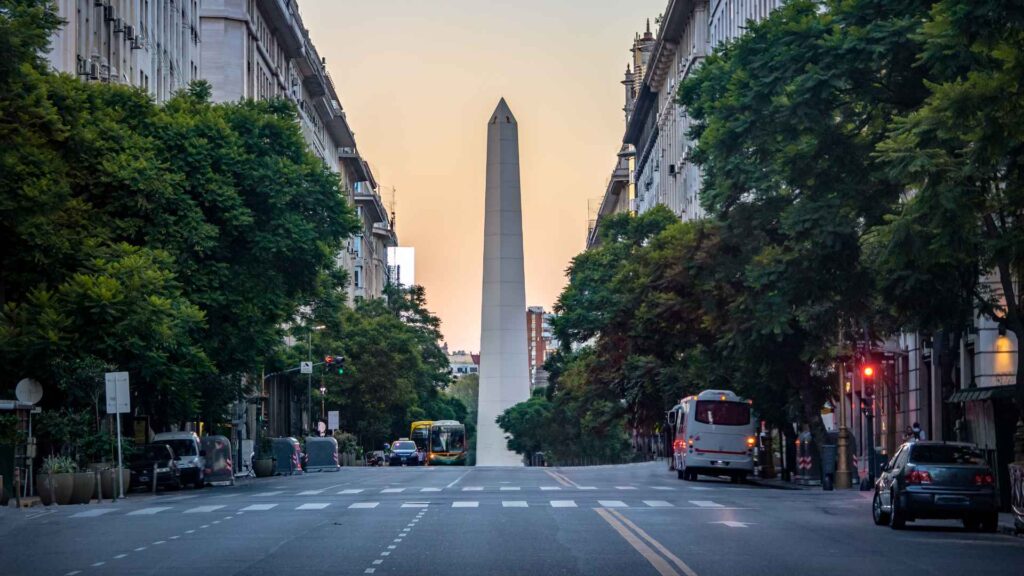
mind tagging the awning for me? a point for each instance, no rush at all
(987, 393)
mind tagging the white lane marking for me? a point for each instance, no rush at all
(119, 556)
(314, 506)
(586, 487)
(73, 572)
(456, 481)
(612, 503)
(369, 571)
(465, 504)
(140, 548)
(149, 511)
(175, 537)
(311, 492)
(397, 540)
(733, 523)
(267, 494)
(98, 564)
(392, 547)
(430, 489)
(414, 505)
(215, 522)
(513, 504)
(472, 488)
(657, 504)
(204, 526)
(625, 487)
(698, 488)
(199, 509)
(364, 505)
(378, 562)
(509, 488)
(351, 491)
(159, 542)
(385, 553)
(258, 507)
(705, 504)
(662, 487)
(550, 487)
(563, 503)
(92, 513)
(189, 531)
(392, 490)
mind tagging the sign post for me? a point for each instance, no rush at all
(332, 420)
(118, 402)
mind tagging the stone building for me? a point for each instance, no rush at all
(152, 44)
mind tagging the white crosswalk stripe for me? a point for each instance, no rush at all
(514, 504)
(364, 505)
(472, 488)
(314, 506)
(550, 487)
(351, 491)
(92, 513)
(563, 504)
(258, 507)
(705, 504)
(414, 505)
(310, 492)
(263, 494)
(509, 488)
(625, 487)
(586, 487)
(392, 490)
(430, 489)
(657, 504)
(465, 504)
(201, 509)
(662, 487)
(612, 503)
(149, 511)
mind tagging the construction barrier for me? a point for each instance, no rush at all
(219, 467)
(322, 454)
(288, 454)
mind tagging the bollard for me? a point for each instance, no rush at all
(155, 464)
(17, 486)
(99, 487)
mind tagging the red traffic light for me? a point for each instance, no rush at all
(869, 371)
(328, 360)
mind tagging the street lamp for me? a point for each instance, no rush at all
(309, 379)
(323, 397)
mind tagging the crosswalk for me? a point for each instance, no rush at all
(368, 505)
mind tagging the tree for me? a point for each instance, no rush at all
(787, 120)
(957, 244)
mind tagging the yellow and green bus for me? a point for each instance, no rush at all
(443, 441)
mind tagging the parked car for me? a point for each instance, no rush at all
(937, 480)
(158, 456)
(403, 453)
(190, 455)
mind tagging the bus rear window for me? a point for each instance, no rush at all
(722, 413)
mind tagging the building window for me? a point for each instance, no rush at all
(357, 276)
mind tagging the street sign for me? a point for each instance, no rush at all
(332, 420)
(29, 391)
(118, 398)
(305, 367)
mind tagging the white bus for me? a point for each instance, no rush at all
(714, 435)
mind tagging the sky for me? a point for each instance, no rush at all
(418, 81)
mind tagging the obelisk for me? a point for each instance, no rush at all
(504, 372)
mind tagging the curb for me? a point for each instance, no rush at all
(775, 485)
(1011, 530)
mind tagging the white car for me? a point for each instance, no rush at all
(190, 455)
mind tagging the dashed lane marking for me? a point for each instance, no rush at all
(199, 509)
(612, 503)
(351, 491)
(706, 504)
(625, 487)
(550, 487)
(311, 492)
(472, 488)
(465, 504)
(430, 489)
(509, 488)
(414, 505)
(513, 504)
(365, 505)
(658, 504)
(258, 507)
(563, 503)
(392, 490)
(149, 511)
(262, 494)
(314, 506)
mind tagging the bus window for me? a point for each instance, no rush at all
(722, 413)
(447, 439)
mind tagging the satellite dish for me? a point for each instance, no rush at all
(29, 391)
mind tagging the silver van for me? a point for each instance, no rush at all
(190, 454)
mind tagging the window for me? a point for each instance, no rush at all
(357, 277)
(357, 245)
(945, 454)
(723, 413)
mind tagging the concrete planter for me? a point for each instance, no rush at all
(263, 467)
(108, 481)
(55, 488)
(85, 487)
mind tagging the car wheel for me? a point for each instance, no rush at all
(880, 517)
(897, 518)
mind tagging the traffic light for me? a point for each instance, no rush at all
(335, 362)
(328, 360)
(868, 372)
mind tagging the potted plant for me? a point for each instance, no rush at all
(56, 480)
(263, 462)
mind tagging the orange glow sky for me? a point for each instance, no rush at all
(419, 79)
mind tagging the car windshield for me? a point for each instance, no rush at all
(945, 454)
(447, 439)
(150, 453)
(723, 413)
(403, 446)
(181, 447)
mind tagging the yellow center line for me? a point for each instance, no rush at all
(668, 554)
(658, 562)
(557, 478)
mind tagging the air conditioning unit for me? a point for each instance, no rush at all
(94, 71)
(138, 42)
(99, 3)
(108, 13)
(82, 66)
(118, 26)
(672, 169)
(129, 33)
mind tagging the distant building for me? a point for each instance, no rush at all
(151, 44)
(540, 342)
(402, 262)
(463, 363)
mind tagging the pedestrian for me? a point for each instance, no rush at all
(908, 434)
(918, 432)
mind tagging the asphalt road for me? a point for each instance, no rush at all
(634, 520)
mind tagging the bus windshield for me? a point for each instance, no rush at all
(447, 439)
(419, 436)
(722, 413)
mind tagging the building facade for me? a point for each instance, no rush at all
(462, 363)
(151, 44)
(541, 343)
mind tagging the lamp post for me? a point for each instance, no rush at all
(843, 444)
(309, 377)
(323, 400)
